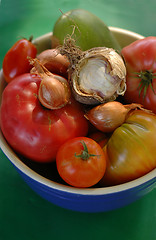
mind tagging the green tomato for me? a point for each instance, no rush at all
(87, 29)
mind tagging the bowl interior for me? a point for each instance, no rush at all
(47, 174)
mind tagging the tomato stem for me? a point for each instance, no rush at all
(146, 77)
(85, 154)
(30, 38)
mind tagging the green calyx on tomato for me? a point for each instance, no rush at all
(146, 77)
(85, 155)
(30, 38)
(76, 171)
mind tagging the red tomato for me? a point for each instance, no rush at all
(15, 61)
(31, 129)
(100, 137)
(81, 162)
(130, 150)
(140, 58)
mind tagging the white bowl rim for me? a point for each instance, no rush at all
(126, 32)
(69, 189)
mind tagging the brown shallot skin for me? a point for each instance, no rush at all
(54, 90)
(109, 116)
(54, 62)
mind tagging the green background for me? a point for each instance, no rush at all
(23, 214)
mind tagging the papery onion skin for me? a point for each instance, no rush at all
(109, 116)
(54, 62)
(54, 92)
(112, 81)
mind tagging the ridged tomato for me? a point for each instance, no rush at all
(140, 59)
(130, 150)
(31, 129)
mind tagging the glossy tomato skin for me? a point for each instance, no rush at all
(100, 137)
(76, 171)
(32, 130)
(140, 56)
(15, 61)
(130, 150)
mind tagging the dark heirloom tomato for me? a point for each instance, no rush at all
(31, 129)
(131, 149)
(15, 61)
(99, 137)
(140, 59)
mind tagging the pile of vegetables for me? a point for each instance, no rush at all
(86, 104)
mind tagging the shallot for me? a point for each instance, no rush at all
(108, 116)
(54, 91)
(54, 62)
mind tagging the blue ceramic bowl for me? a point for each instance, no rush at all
(83, 200)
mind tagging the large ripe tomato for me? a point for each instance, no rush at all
(15, 61)
(140, 58)
(31, 129)
(81, 162)
(131, 149)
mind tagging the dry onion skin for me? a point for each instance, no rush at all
(108, 116)
(54, 62)
(54, 91)
(97, 75)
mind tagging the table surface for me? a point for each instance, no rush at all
(23, 214)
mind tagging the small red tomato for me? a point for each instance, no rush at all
(81, 162)
(15, 61)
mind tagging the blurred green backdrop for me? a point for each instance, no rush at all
(22, 18)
